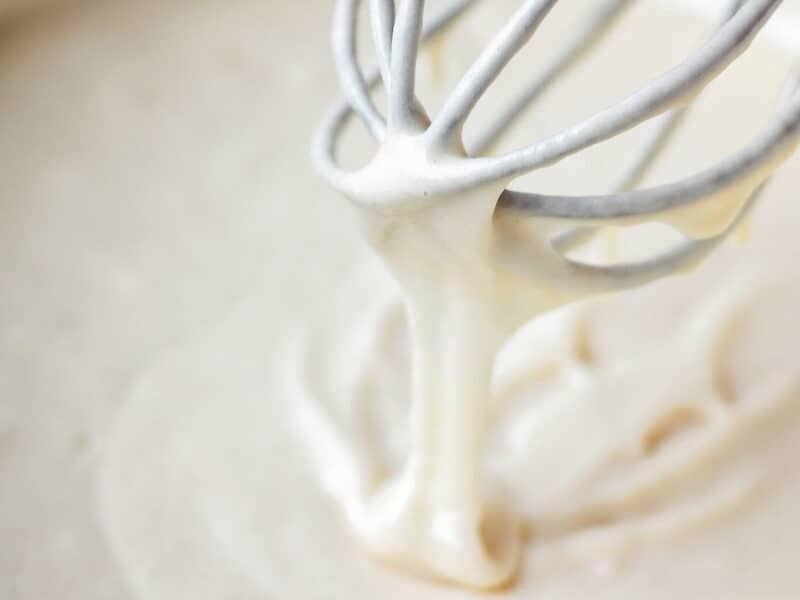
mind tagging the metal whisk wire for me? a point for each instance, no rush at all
(398, 33)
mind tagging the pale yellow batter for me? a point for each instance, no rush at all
(180, 288)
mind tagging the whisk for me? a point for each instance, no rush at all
(476, 259)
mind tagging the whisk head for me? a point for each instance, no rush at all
(398, 31)
(727, 189)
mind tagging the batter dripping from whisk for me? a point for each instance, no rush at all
(475, 260)
(639, 446)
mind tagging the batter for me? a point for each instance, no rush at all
(199, 483)
(472, 269)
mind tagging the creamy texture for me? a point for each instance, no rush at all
(468, 281)
(471, 271)
(148, 434)
(469, 278)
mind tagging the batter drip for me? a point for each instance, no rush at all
(475, 261)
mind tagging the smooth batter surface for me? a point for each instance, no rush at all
(150, 440)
